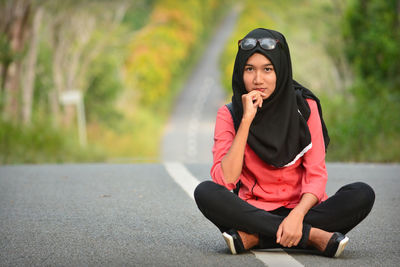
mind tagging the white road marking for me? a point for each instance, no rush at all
(183, 177)
(276, 258)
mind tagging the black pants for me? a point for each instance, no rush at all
(339, 213)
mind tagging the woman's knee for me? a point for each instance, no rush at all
(363, 194)
(203, 191)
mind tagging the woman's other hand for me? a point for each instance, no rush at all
(251, 102)
(290, 230)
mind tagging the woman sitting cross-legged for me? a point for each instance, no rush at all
(271, 141)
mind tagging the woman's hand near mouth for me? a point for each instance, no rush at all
(251, 102)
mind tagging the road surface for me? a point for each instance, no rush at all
(138, 215)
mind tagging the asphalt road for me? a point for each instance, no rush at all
(136, 215)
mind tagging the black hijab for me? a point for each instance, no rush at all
(279, 134)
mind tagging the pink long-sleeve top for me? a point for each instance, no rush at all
(263, 185)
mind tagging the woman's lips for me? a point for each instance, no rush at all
(260, 89)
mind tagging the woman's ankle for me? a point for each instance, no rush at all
(249, 240)
(319, 238)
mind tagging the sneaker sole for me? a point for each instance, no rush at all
(341, 247)
(229, 242)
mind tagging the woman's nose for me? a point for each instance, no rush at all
(257, 78)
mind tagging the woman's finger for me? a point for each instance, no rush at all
(297, 241)
(292, 242)
(284, 240)
(289, 240)
(256, 102)
(279, 234)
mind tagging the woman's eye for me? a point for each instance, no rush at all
(268, 69)
(249, 69)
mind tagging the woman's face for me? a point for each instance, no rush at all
(259, 74)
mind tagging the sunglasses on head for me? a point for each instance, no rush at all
(265, 43)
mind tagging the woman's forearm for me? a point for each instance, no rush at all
(307, 201)
(232, 163)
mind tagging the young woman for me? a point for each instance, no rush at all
(272, 143)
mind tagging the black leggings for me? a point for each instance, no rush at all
(339, 213)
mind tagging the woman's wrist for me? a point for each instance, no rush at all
(308, 200)
(298, 212)
(246, 121)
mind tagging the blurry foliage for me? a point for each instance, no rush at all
(369, 127)
(160, 52)
(103, 89)
(43, 79)
(136, 138)
(129, 72)
(100, 80)
(345, 51)
(105, 81)
(372, 36)
(137, 16)
(160, 58)
(40, 143)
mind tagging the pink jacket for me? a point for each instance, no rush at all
(265, 186)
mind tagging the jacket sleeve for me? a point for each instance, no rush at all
(224, 134)
(315, 176)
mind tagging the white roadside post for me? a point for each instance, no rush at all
(74, 97)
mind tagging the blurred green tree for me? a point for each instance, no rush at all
(372, 37)
(371, 30)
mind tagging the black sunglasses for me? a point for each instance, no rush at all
(265, 43)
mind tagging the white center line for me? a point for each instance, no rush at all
(271, 258)
(276, 258)
(182, 177)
